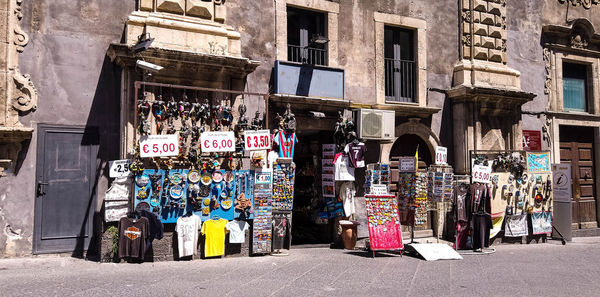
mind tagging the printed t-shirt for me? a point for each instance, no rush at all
(187, 235)
(286, 142)
(356, 154)
(237, 231)
(214, 244)
(347, 192)
(343, 172)
(132, 237)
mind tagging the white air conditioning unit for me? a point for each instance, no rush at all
(376, 124)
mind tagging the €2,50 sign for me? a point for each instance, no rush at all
(257, 140)
(221, 141)
(159, 145)
(481, 174)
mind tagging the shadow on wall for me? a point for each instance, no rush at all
(102, 130)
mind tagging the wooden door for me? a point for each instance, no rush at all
(64, 205)
(581, 157)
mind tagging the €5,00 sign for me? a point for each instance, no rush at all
(257, 140)
(441, 155)
(221, 141)
(481, 174)
(159, 145)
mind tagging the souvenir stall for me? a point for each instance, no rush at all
(198, 167)
(509, 196)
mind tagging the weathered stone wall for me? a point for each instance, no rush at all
(77, 85)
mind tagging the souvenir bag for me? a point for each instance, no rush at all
(516, 225)
(541, 222)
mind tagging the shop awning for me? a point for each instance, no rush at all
(183, 63)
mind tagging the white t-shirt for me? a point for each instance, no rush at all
(187, 235)
(343, 172)
(237, 231)
(347, 192)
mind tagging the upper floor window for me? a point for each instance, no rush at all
(575, 87)
(307, 37)
(400, 65)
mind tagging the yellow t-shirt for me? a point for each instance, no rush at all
(214, 244)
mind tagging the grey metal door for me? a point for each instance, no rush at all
(65, 180)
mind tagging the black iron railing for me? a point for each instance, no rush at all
(400, 78)
(307, 55)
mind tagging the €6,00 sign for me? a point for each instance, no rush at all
(159, 145)
(257, 140)
(222, 141)
(441, 155)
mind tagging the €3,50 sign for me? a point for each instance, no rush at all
(159, 145)
(221, 141)
(257, 140)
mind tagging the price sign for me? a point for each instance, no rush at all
(481, 174)
(159, 145)
(379, 190)
(407, 164)
(441, 155)
(257, 140)
(119, 168)
(220, 141)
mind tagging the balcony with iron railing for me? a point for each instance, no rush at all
(400, 80)
(307, 55)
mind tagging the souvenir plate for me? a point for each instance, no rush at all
(155, 201)
(206, 201)
(224, 193)
(142, 193)
(206, 210)
(175, 178)
(194, 176)
(206, 179)
(229, 176)
(142, 180)
(176, 191)
(217, 176)
(226, 204)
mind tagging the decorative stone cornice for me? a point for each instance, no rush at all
(18, 95)
(587, 4)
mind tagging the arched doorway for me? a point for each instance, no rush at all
(406, 145)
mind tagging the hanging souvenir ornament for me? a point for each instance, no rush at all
(142, 180)
(227, 119)
(142, 193)
(242, 123)
(172, 108)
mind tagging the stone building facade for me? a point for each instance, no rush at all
(482, 72)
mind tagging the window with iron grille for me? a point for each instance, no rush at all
(400, 72)
(574, 87)
(307, 40)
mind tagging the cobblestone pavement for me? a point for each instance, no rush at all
(514, 270)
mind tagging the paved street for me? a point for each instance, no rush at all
(514, 270)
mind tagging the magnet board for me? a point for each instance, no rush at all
(385, 231)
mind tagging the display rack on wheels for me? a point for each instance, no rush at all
(385, 231)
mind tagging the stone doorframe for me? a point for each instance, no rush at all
(413, 126)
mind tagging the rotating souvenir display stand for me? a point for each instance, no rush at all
(440, 194)
(284, 172)
(383, 219)
(263, 213)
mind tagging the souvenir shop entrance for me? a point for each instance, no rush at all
(309, 228)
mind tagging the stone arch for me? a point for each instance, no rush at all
(413, 126)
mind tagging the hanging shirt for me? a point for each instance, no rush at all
(356, 154)
(461, 202)
(214, 244)
(347, 192)
(187, 235)
(343, 172)
(237, 231)
(132, 237)
(286, 142)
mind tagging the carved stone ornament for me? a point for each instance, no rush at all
(18, 95)
(578, 41)
(548, 67)
(587, 4)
